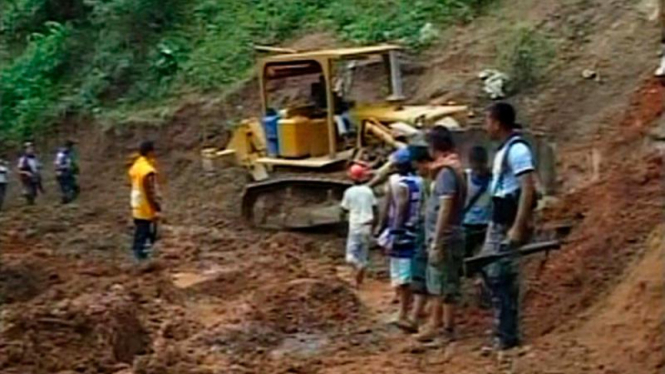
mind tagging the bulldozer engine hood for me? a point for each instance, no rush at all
(416, 115)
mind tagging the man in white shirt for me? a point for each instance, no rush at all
(360, 204)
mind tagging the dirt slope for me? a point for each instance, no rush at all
(615, 215)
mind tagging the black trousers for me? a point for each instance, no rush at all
(68, 187)
(145, 235)
(30, 190)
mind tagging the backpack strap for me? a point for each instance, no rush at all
(413, 184)
(24, 164)
(504, 161)
(460, 197)
(474, 199)
(401, 182)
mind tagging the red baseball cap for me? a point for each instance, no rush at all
(358, 173)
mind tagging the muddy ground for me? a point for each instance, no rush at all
(225, 298)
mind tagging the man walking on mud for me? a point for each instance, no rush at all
(66, 169)
(145, 203)
(29, 168)
(360, 204)
(513, 198)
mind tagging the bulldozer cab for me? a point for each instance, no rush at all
(321, 131)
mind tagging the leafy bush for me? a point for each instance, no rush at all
(134, 21)
(276, 20)
(525, 57)
(83, 66)
(224, 53)
(367, 21)
(29, 87)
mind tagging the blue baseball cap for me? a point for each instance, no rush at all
(401, 156)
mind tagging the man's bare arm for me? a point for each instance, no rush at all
(384, 210)
(343, 214)
(527, 196)
(381, 174)
(402, 206)
(443, 218)
(151, 192)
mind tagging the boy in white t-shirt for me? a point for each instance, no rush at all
(360, 204)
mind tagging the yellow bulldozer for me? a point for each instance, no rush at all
(312, 125)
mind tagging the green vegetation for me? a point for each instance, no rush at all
(29, 90)
(525, 57)
(91, 56)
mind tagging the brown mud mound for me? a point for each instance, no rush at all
(171, 359)
(299, 318)
(306, 305)
(21, 283)
(91, 334)
(280, 257)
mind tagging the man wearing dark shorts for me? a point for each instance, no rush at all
(444, 236)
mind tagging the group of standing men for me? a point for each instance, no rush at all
(30, 168)
(436, 213)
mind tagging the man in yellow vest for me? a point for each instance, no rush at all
(145, 203)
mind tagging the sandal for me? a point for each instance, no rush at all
(407, 326)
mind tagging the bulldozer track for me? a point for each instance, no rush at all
(252, 192)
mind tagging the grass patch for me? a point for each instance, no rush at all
(525, 56)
